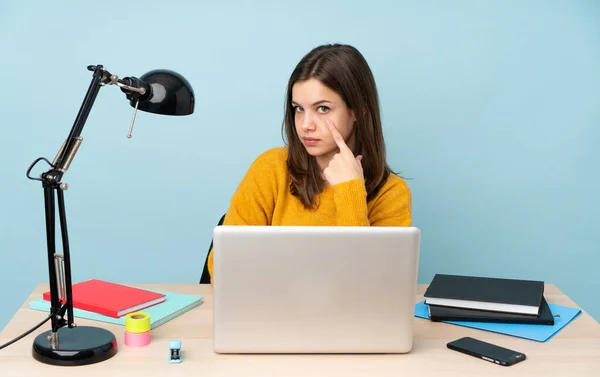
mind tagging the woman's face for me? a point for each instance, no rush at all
(313, 104)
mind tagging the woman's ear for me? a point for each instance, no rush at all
(353, 116)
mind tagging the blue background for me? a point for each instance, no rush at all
(492, 109)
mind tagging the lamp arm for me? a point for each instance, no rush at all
(100, 78)
(67, 151)
(59, 265)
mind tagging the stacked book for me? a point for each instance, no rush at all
(486, 299)
(109, 302)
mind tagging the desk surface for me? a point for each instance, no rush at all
(574, 351)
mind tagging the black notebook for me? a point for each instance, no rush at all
(486, 293)
(445, 313)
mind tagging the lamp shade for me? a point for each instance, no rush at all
(169, 93)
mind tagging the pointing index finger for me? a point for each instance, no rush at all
(337, 136)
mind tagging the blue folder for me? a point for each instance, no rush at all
(175, 304)
(541, 333)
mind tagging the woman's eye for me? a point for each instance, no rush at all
(323, 109)
(298, 109)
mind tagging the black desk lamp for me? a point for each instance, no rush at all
(159, 91)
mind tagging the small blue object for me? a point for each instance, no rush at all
(175, 347)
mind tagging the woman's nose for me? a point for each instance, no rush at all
(308, 123)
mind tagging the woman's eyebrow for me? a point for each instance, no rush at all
(314, 104)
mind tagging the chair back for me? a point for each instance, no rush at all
(205, 278)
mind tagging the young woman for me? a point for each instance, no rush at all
(333, 170)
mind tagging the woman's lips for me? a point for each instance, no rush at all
(309, 141)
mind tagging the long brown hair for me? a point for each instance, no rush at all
(344, 70)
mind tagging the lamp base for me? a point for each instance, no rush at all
(81, 345)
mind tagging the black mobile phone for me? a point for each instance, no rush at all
(486, 351)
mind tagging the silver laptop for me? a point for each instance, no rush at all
(305, 289)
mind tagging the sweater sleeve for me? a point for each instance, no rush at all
(391, 207)
(393, 204)
(350, 199)
(254, 199)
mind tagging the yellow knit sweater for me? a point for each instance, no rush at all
(263, 198)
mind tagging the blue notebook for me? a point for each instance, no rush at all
(175, 304)
(541, 333)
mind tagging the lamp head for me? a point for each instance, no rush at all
(165, 92)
